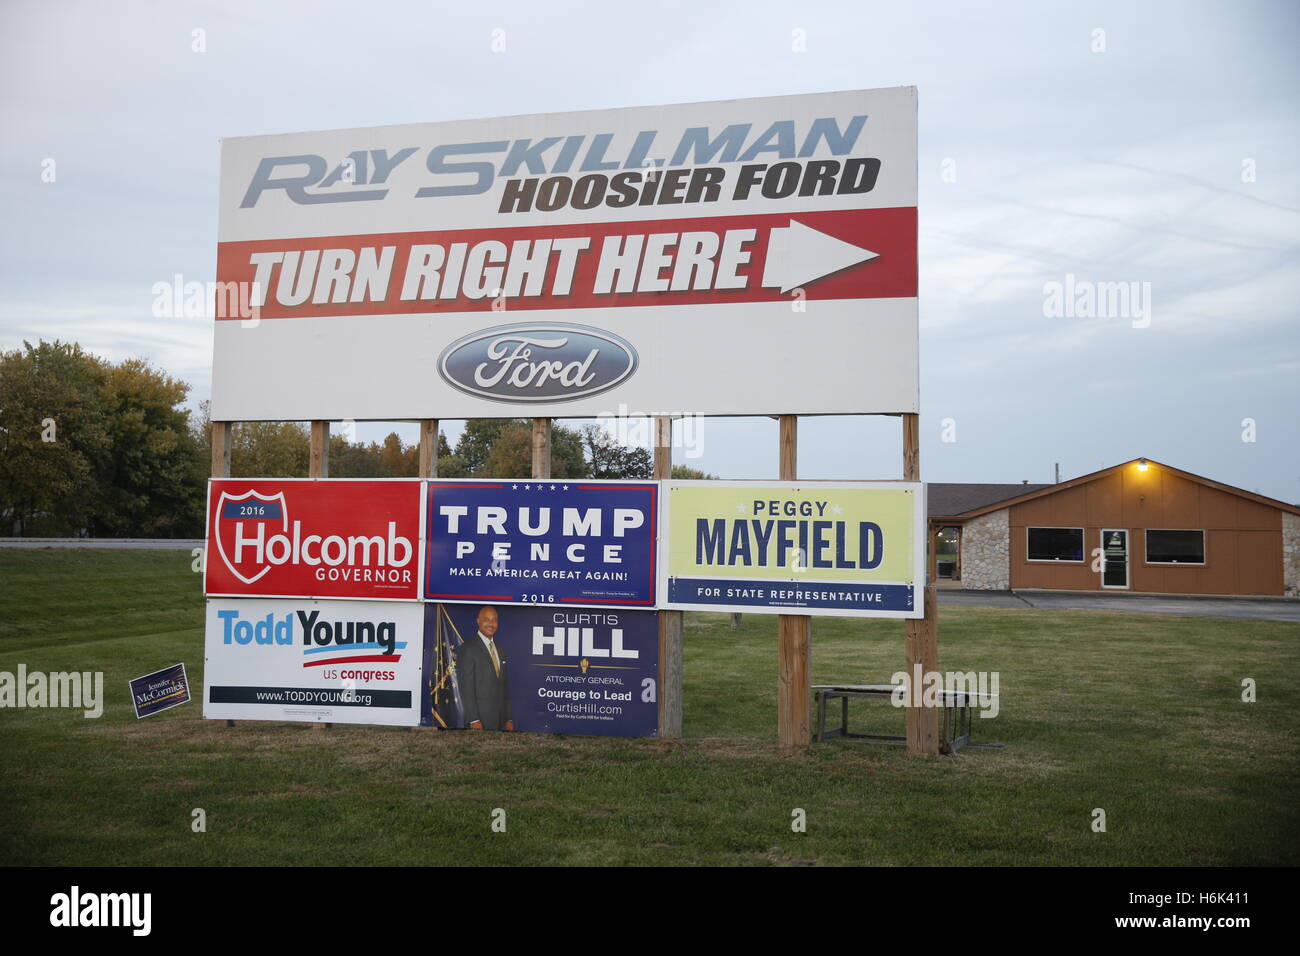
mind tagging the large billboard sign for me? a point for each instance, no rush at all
(332, 538)
(729, 258)
(348, 662)
(525, 541)
(847, 549)
(546, 670)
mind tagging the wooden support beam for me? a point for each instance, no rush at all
(922, 641)
(541, 448)
(319, 465)
(923, 652)
(222, 432)
(670, 622)
(428, 448)
(428, 460)
(221, 435)
(794, 633)
(911, 447)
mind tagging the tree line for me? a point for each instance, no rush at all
(93, 448)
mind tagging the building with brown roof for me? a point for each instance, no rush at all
(1139, 526)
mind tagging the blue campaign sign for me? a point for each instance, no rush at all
(159, 691)
(546, 670)
(559, 542)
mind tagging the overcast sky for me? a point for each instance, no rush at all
(1112, 142)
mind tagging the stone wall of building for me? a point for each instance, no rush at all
(986, 552)
(1290, 554)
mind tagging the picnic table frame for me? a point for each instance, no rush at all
(955, 731)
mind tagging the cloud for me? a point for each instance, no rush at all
(1122, 165)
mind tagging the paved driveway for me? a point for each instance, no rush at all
(1261, 609)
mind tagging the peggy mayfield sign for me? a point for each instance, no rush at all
(845, 549)
(557, 542)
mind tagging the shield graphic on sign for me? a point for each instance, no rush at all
(249, 507)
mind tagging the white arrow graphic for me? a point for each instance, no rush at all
(799, 254)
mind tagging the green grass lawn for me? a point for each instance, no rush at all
(1139, 715)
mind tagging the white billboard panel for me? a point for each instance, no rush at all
(737, 257)
(343, 662)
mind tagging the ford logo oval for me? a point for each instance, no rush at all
(537, 362)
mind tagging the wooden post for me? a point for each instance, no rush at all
(429, 448)
(541, 448)
(922, 641)
(428, 461)
(911, 447)
(794, 633)
(923, 652)
(670, 622)
(221, 435)
(319, 467)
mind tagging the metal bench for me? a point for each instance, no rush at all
(956, 705)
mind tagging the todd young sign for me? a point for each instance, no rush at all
(847, 549)
(352, 662)
(734, 257)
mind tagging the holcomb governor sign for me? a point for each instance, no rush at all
(730, 258)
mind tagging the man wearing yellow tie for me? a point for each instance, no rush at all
(481, 674)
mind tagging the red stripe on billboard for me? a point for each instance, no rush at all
(842, 254)
(356, 659)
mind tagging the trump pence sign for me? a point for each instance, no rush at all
(727, 258)
(848, 549)
(524, 541)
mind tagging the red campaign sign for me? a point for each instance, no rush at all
(304, 538)
(842, 254)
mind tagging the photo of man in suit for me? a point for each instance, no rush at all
(481, 674)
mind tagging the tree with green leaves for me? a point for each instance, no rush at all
(54, 438)
(150, 484)
(686, 473)
(89, 447)
(609, 458)
(269, 450)
(503, 448)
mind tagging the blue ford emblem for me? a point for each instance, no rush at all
(537, 362)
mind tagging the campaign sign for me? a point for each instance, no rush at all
(159, 691)
(542, 542)
(547, 670)
(851, 549)
(313, 538)
(346, 662)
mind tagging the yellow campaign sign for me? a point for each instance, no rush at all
(850, 548)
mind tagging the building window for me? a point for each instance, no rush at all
(948, 552)
(1175, 547)
(1055, 544)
